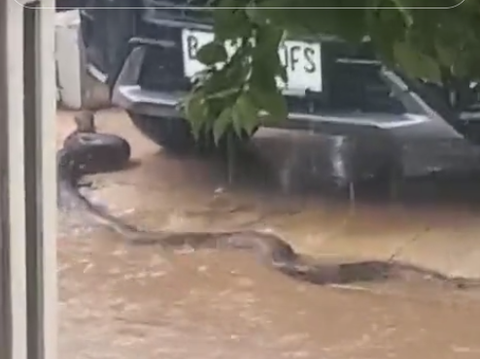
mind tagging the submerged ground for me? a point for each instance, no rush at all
(118, 301)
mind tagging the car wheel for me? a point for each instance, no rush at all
(174, 135)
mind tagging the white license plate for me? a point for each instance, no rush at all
(303, 61)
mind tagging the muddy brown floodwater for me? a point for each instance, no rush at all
(130, 302)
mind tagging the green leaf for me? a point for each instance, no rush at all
(273, 102)
(263, 72)
(268, 38)
(212, 53)
(266, 60)
(416, 63)
(385, 28)
(195, 110)
(237, 123)
(446, 54)
(231, 24)
(419, 41)
(256, 15)
(226, 79)
(221, 124)
(246, 113)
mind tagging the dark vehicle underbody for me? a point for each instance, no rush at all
(143, 55)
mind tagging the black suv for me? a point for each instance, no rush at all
(147, 56)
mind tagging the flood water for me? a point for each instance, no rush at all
(122, 301)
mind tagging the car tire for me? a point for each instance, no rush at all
(175, 135)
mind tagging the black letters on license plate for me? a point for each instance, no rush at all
(192, 47)
(295, 56)
(292, 57)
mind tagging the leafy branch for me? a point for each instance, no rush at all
(244, 69)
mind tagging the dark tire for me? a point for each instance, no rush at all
(175, 135)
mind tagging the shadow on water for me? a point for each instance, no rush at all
(251, 170)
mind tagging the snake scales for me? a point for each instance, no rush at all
(85, 151)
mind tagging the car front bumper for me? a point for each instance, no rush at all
(423, 141)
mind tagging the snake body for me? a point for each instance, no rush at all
(85, 151)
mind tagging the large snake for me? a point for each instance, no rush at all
(85, 151)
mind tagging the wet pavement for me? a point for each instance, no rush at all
(119, 301)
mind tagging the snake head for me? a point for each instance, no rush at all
(85, 122)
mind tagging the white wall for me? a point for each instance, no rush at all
(67, 56)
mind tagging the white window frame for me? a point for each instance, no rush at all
(28, 288)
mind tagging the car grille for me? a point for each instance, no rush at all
(348, 87)
(162, 70)
(177, 10)
(359, 87)
(352, 80)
